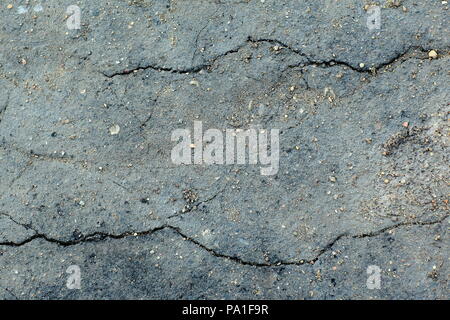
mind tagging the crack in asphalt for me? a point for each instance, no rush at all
(194, 69)
(5, 106)
(405, 55)
(99, 236)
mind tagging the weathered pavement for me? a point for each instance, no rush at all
(364, 150)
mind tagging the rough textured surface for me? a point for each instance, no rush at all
(357, 186)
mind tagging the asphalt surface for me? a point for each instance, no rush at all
(87, 180)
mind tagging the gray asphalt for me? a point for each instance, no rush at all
(363, 176)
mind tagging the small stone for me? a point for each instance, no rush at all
(362, 65)
(115, 129)
(332, 179)
(194, 83)
(405, 124)
(433, 54)
(9, 6)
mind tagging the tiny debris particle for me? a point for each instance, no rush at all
(405, 124)
(332, 179)
(9, 6)
(362, 65)
(433, 54)
(276, 48)
(115, 129)
(194, 83)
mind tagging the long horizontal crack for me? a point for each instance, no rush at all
(194, 69)
(93, 237)
(310, 60)
(99, 236)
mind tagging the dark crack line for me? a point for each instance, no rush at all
(93, 237)
(310, 60)
(395, 226)
(403, 56)
(99, 236)
(194, 69)
(325, 249)
(5, 106)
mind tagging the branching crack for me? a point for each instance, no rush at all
(194, 69)
(408, 53)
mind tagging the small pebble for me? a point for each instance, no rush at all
(115, 129)
(433, 54)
